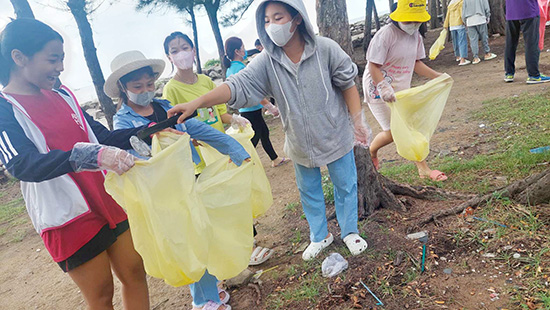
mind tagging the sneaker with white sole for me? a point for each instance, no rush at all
(508, 78)
(314, 248)
(355, 244)
(538, 79)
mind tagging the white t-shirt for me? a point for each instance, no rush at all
(397, 52)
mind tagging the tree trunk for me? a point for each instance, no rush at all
(22, 9)
(78, 9)
(191, 12)
(368, 25)
(212, 12)
(434, 23)
(376, 18)
(497, 23)
(371, 192)
(332, 18)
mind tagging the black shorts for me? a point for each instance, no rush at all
(99, 243)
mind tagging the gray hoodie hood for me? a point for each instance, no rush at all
(275, 51)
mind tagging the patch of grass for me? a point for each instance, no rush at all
(11, 209)
(297, 237)
(18, 236)
(3, 231)
(292, 206)
(514, 126)
(309, 289)
(328, 189)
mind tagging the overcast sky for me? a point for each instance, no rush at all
(118, 27)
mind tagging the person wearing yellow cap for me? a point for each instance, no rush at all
(395, 52)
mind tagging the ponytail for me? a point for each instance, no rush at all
(231, 44)
(26, 35)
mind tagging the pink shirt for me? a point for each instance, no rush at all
(397, 52)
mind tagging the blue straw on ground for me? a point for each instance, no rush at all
(488, 221)
(380, 303)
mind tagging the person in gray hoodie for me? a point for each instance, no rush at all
(476, 14)
(313, 80)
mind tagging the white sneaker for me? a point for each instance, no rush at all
(355, 244)
(314, 248)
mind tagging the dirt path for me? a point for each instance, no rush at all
(30, 280)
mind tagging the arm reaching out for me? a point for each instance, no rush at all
(218, 95)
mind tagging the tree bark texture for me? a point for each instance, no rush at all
(22, 9)
(332, 18)
(371, 192)
(212, 12)
(368, 25)
(434, 21)
(497, 23)
(78, 9)
(191, 12)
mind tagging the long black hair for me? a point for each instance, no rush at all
(423, 27)
(231, 44)
(26, 35)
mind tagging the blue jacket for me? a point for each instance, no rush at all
(126, 117)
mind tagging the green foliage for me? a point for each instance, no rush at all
(328, 189)
(212, 63)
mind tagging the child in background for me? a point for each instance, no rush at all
(54, 148)
(394, 53)
(235, 54)
(312, 80)
(453, 21)
(186, 85)
(476, 15)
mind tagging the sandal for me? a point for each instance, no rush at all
(225, 298)
(491, 56)
(314, 248)
(435, 175)
(260, 255)
(210, 305)
(476, 61)
(355, 244)
(282, 162)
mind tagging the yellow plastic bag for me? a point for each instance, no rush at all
(180, 226)
(262, 198)
(439, 44)
(415, 115)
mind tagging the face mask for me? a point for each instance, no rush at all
(280, 34)
(184, 59)
(409, 28)
(142, 99)
(245, 55)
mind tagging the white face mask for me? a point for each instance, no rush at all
(142, 99)
(183, 59)
(280, 34)
(409, 28)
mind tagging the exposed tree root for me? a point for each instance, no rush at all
(534, 189)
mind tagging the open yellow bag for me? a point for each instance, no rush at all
(415, 115)
(262, 198)
(180, 226)
(439, 44)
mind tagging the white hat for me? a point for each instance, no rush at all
(126, 63)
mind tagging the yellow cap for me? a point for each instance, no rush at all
(410, 11)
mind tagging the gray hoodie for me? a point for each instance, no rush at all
(313, 111)
(473, 7)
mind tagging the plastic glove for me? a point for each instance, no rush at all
(272, 109)
(386, 91)
(361, 129)
(238, 121)
(96, 157)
